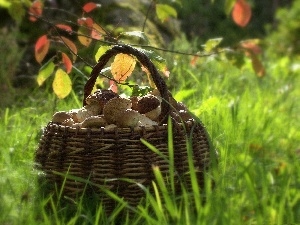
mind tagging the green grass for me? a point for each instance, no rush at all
(253, 123)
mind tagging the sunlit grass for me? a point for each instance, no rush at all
(253, 123)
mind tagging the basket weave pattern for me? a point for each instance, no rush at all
(102, 155)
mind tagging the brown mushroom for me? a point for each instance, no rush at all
(114, 107)
(94, 122)
(68, 122)
(100, 98)
(147, 103)
(60, 117)
(128, 118)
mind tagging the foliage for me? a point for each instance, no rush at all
(90, 31)
(284, 39)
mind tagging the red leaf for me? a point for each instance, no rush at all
(194, 60)
(72, 47)
(67, 62)
(97, 32)
(64, 27)
(85, 21)
(90, 6)
(35, 10)
(41, 48)
(251, 45)
(241, 13)
(257, 66)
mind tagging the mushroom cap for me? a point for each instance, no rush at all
(94, 109)
(82, 114)
(147, 103)
(128, 118)
(114, 107)
(68, 122)
(94, 122)
(60, 117)
(101, 96)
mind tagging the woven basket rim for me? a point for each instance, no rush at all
(113, 130)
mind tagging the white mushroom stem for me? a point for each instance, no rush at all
(154, 114)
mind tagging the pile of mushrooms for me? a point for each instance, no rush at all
(107, 109)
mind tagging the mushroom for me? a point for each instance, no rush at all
(114, 107)
(99, 98)
(94, 122)
(147, 103)
(134, 100)
(145, 121)
(154, 114)
(128, 118)
(73, 114)
(82, 114)
(60, 117)
(68, 122)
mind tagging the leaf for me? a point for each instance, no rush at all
(251, 45)
(138, 34)
(67, 62)
(241, 13)
(85, 21)
(64, 27)
(17, 11)
(72, 47)
(35, 10)
(85, 30)
(41, 48)
(90, 6)
(97, 32)
(122, 67)
(158, 61)
(228, 6)
(45, 72)
(164, 11)
(62, 84)
(101, 51)
(84, 36)
(211, 44)
(257, 65)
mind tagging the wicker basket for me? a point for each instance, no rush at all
(102, 155)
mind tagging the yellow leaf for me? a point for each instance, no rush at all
(122, 67)
(62, 84)
(83, 36)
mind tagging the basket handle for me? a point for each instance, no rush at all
(145, 61)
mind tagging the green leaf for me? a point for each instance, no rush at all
(45, 71)
(5, 3)
(159, 62)
(211, 44)
(138, 34)
(228, 6)
(17, 11)
(164, 11)
(101, 51)
(62, 84)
